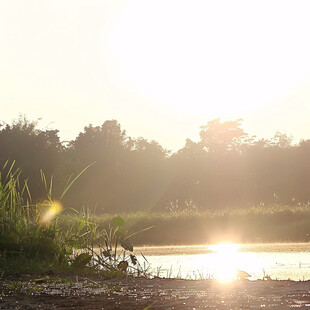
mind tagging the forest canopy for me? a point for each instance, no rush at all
(225, 168)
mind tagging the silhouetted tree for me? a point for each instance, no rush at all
(226, 168)
(220, 137)
(32, 149)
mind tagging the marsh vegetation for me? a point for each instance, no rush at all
(272, 223)
(45, 238)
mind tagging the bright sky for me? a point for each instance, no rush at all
(161, 68)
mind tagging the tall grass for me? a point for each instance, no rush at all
(40, 237)
(273, 223)
(24, 239)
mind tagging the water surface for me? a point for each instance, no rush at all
(280, 261)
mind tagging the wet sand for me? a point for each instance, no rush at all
(139, 293)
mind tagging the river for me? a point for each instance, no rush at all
(280, 261)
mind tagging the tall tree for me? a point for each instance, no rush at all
(219, 136)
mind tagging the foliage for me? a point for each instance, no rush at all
(226, 168)
(221, 137)
(271, 223)
(38, 238)
(107, 249)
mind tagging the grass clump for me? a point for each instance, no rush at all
(42, 238)
(30, 239)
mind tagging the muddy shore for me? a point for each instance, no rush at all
(96, 293)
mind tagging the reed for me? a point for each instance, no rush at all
(272, 223)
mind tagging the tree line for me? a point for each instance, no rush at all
(225, 168)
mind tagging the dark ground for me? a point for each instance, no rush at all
(139, 293)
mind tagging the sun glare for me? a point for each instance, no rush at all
(206, 64)
(227, 259)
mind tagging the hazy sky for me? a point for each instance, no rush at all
(161, 68)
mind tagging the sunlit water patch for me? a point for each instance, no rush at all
(226, 262)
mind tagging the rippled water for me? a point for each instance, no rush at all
(279, 261)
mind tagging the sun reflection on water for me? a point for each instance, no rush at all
(226, 259)
(225, 262)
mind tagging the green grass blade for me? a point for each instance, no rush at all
(73, 181)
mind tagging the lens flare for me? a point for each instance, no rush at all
(51, 212)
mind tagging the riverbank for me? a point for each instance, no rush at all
(140, 293)
(261, 224)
